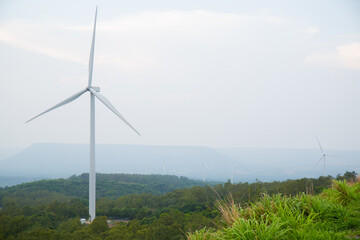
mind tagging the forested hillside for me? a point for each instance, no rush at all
(51, 209)
(111, 186)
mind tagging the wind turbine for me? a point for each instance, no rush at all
(94, 92)
(204, 171)
(231, 162)
(164, 168)
(232, 172)
(323, 156)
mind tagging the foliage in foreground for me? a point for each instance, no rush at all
(334, 214)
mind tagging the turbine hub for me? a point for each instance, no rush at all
(96, 89)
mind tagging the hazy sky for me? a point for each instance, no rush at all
(210, 73)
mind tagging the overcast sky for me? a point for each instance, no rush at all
(209, 73)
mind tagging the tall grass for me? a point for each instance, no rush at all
(334, 214)
(230, 211)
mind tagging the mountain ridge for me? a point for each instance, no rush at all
(52, 160)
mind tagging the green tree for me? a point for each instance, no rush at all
(99, 225)
(84, 234)
(70, 226)
(39, 233)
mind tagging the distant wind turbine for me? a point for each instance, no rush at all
(164, 168)
(204, 171)
(231, 162)
(232, 172)
(94, 92)
(324, 155)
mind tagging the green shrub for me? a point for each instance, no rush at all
(342, 193)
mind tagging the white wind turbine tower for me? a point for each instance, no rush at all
(324, 155)
(204, 171)
(94, 92)
(164, 168)
(232, 170)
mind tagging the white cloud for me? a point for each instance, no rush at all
(28, 36)
(311, 30)
(344, 56)
(126, 63)
(275, 19)
(173, 20)
(349, 55)
(128, 41)
(323, 60)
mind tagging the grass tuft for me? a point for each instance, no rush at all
(202, 234)
(341, 192)
(230, 211)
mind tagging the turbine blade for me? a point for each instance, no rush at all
(205, 165)
(319, 161)
(66, 101)
(112, 108)
(319, 145)
(91, 58)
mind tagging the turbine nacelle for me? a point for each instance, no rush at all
(324, 155)
(96, 89)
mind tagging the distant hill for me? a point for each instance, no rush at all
(48, 160)
(14, 180)
(6, 152)
(63, 160)
(111, 186)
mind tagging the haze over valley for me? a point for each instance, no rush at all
(53, 160)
